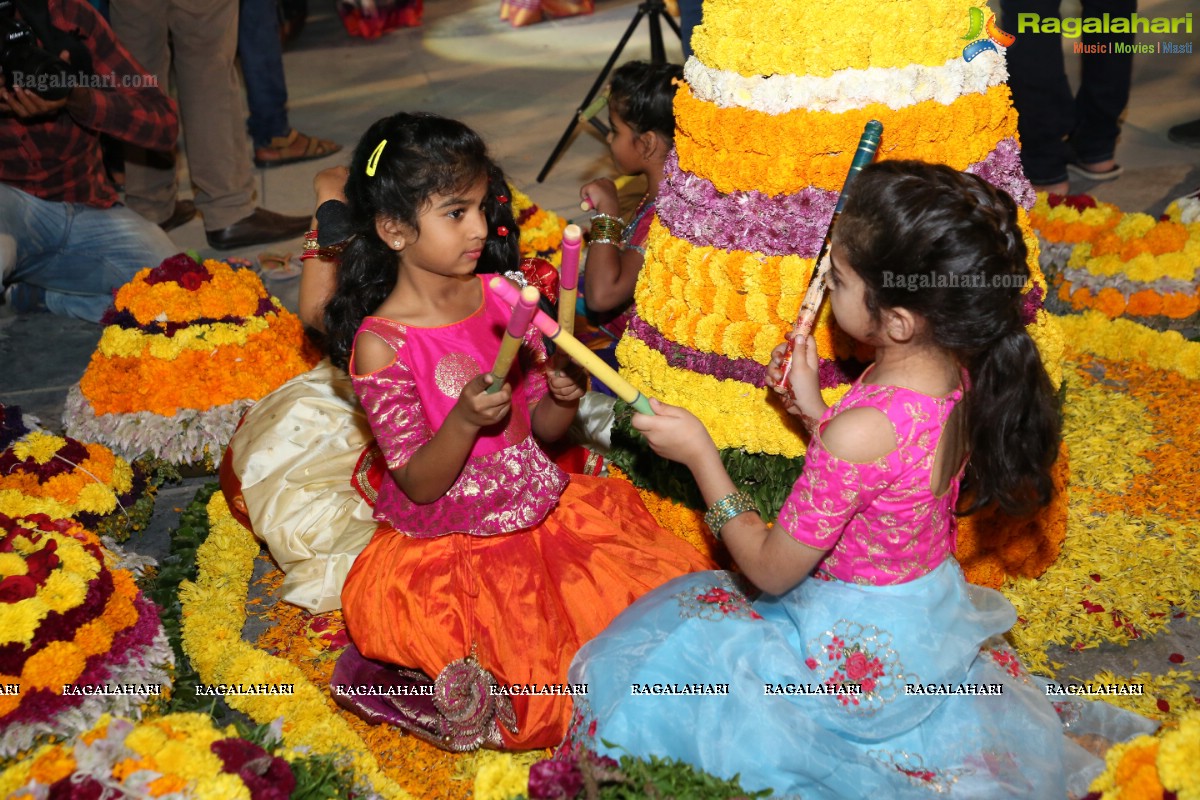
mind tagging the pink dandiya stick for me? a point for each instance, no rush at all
(568, 277)
(868, 143)
(522, 314)
(576, 350)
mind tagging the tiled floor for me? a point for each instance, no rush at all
(520, 88)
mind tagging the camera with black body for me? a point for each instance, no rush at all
(27, 65)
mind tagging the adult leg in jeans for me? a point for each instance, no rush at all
(261, 54)
(1104, 84)
(1041, 93)
(76, 253)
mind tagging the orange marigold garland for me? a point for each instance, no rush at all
(187, 348)
(76, 635)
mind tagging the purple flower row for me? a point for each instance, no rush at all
(831, 373)
(694, 210)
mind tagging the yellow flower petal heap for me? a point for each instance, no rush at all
(77, 638)
(766, 126)
(1122, 265)
(186, 350)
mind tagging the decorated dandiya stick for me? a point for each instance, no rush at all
(524, 304)
(568, 277)
(868, 143)
(577, 350)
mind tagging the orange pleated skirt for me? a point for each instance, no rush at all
(527, 600)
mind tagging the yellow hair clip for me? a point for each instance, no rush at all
(373, 161)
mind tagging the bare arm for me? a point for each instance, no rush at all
(318, 279)
(769, 557)
(611, 273)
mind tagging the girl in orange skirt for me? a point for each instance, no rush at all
(491, 566)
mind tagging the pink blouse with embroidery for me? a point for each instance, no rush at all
(880, 521)
(508, 482)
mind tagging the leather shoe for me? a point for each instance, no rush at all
(260, 227)
(185, 211)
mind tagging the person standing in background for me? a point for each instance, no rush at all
(202, 37)
(1062, 131)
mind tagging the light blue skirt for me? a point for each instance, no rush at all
(835, 690)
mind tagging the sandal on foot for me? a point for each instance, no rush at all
(278, 266)
(1083, 171)
(293, 149)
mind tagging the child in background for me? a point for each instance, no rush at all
(642, 119)
(490, 564)
(862, 598)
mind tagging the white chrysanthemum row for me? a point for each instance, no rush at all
(848, 88)
(189, 437)
(151, 664)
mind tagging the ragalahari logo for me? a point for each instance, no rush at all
(995, 36)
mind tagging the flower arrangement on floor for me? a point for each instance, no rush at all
(187, 348)
(77, 637)
(766, 127)
(177, 756)
(41, 473)
(1129, 565)
(1122, 265)
(1166, 765)
(214, 612)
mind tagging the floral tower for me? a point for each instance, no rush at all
(766, 125)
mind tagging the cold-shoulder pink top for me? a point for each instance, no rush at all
(508, 482)
(881, 521)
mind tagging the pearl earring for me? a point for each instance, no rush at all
(396, 244)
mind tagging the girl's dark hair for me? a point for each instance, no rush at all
(946, 245)
(642, 94)
(424, 154)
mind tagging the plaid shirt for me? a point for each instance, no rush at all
(58, 158)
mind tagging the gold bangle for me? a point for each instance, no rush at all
(725, 509)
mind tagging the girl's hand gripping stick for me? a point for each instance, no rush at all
(568, 277)
(518, 323)
(867, 145)
(576, 350)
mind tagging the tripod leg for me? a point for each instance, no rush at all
(599, 82)
(658, 54)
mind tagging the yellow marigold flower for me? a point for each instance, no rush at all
(1178, 759)
(62, 591)
(146, 739)
(12, 564)
(39, 446)
(222, 787)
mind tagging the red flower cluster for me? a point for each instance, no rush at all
(181, 269)
(1079, 202)
(16, 588)
(267, 777)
